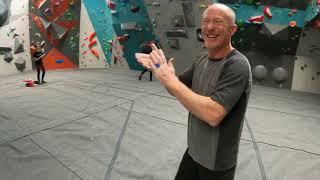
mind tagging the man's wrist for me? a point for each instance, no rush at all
(171, 83)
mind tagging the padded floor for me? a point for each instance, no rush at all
(101, 124)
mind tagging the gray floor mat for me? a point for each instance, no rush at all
(70, 127)
(151, 149)
(25, 160)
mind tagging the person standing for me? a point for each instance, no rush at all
(215, 90)
(38, 54)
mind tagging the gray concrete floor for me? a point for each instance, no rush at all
(105, 124)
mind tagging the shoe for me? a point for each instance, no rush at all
(43, 82)
(140, 78)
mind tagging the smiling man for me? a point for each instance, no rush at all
(215, 90)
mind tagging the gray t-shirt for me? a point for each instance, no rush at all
(228, 82)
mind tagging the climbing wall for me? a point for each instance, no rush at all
(117, 57)
(91, 54)
(101, 19)
(14, 38)
(306, 76)
(56, 22)
(132, 26)
(269, 33)
(175, 24)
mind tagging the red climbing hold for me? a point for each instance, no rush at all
(92, 35)
(257, 19)
(111, 4)
(95, 53)
(293, 23)
(267, 12)
(92, 43)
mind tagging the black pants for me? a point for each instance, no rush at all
(191, 170)
(39, 65)
(144, 71)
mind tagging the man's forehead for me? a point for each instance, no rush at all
(214, 10)
(214, 14)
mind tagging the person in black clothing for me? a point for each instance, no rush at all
(146, 50)
(38, 54)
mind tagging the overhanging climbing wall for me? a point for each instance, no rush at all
(57, 23)
(132, 26)
(175, 25)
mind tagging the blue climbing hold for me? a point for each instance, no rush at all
(59, 61)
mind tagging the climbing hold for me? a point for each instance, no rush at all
(95, 53)
(156, 3)
(92, 35)
(174, 43)
(18, 46)
(292, 11)
(176, 33)
(267, 12)
(47, 10)
(93, 42)
(20, 63)
(128, 26)
(135, 9)
(113, 12)
(293, 23)
(257, 19)
(123, 38)
(58, 61)
(111, 4)
(8, 57)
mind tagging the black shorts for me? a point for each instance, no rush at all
(191, 170)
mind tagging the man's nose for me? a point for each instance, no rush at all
(211, 26)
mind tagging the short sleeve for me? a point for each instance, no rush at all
(232, 84)
(187, 75)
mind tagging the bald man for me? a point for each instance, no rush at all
(215, 90)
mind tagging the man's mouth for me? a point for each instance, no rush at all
(211, 36)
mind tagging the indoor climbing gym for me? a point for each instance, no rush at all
(159, 89)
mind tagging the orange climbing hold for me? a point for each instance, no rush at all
(293, 23)
(95, 53)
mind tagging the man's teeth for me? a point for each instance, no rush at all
(212, 36)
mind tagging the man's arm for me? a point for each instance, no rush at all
(201, 106)
(185, 77)
(212, 109)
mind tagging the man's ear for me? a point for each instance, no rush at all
(234, 29)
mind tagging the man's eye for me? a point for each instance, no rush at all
(218, 22)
